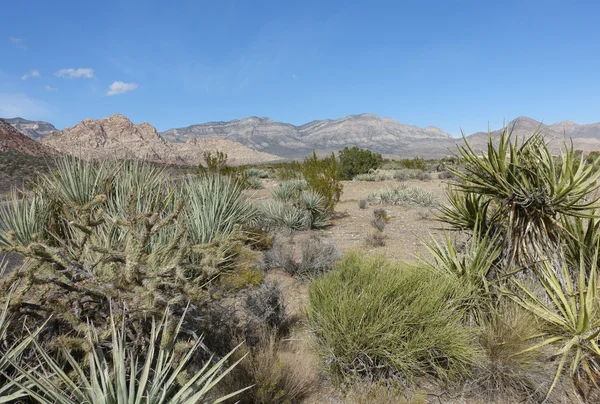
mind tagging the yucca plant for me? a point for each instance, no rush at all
(570, 312)
(118, 377)
(530, 190)
(22, 218)
(215, 205)
(476, 268)
(10, 352)
(316, 207)
(464, 210)
(289, 190)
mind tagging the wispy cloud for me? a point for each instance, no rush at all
(18, 42)
(49, 88)
(118, 87)
(76, 73)
(13, 105)
(33, 73)
(294, 77)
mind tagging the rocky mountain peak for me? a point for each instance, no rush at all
(11, 140)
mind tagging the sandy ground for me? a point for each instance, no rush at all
(350, 226)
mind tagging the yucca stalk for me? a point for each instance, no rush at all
(117, 377)
(571, 312)
(529, 190)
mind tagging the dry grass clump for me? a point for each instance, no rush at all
(280, 372)
(363, 392)
(362, 204)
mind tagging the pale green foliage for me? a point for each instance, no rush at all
(373, 176)
(257, 173)
(295, 208)
(119, 375)
(403, 194)
(571, 312)
(21, 219)
(215, 205)
(523, 191)
(373, 318)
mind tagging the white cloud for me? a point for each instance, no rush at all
(13, 105)
(76, 73)
(294, 76)
(50, 88)
(18, 42)
(33, 73)
(118, 87)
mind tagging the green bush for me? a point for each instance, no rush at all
(322, 177)
(407, 174)
(373, 318)
(355, 161)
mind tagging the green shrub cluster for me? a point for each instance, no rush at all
(373, 318)
(295, 207)
(354, 161)
(323, 177)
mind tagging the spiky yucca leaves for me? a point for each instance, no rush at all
(295, 208)
(570, 312)
(10, 353)
(22, 218)
(476, 268)
(216, 204)
(464, 210)
(289, 190)
(121, 375)
(529, 189)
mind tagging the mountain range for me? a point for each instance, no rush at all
(11, 140)
(254, 140)
(118, 137)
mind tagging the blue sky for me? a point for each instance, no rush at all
(452, 64)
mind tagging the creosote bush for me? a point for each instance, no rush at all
(355, 161)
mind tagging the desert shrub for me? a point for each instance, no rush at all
(264, 306)
(119, 374)
(120, 231)
(254, 183)
(362, 204)
(355, 161)
(280, 375)
(380, 219)
(375, 239)
(509, 369)
(317, 256)
(424, 176)
(372, 318)
(257, 173)
(402, 194)
(361, 392)
(407, 174)
(446, 175)
(288, 170)
(323, 177)
(288, 191)
(372, 177)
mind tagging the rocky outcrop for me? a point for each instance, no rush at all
(36, 130)
(118, 137)
(11, 140)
